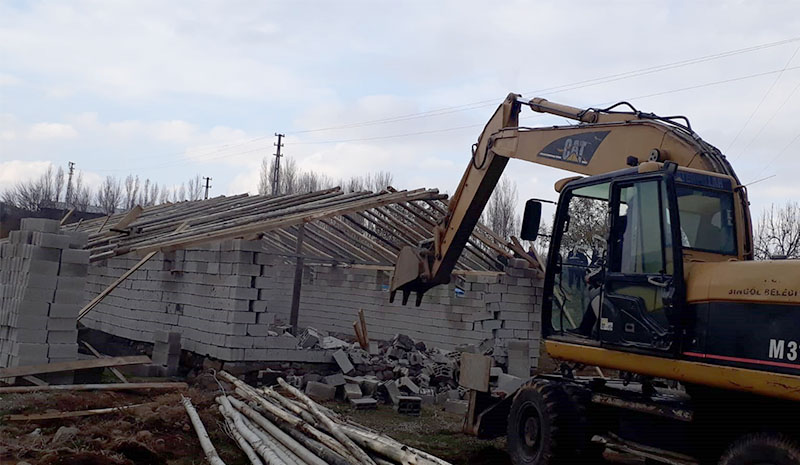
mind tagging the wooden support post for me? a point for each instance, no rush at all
(114, 285)
(66, 217)
(294, 316)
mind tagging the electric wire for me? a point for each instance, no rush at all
(761, 102)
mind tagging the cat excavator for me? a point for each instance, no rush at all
(703, 340)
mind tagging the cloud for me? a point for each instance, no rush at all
(52, 131)
(16, 171)
(8, 80)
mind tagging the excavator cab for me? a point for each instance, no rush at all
(615, 271)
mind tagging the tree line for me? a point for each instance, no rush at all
(53, 189)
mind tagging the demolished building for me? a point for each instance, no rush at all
(235, 275)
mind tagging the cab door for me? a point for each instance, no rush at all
(638, 310)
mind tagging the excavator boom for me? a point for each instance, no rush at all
(605, 140)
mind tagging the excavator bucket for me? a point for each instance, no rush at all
(408, 273)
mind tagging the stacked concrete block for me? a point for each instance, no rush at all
(42, 275)
(167, 351)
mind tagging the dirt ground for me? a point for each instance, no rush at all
(159, 432)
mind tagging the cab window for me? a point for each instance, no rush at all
(707, 219)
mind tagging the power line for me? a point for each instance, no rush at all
(761, 102)
(457, 128)
(778, 155)
(557, 89)
(769, 120)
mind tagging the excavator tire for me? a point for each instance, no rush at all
(542, 426)
(762, 449)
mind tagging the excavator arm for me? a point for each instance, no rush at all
(605, 140)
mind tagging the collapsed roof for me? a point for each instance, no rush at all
(350, 228)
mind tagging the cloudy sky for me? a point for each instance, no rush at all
(169, 90)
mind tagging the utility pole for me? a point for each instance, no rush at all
(68, 196)
(276, 173)
(208, 186)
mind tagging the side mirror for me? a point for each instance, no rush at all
(531, 220)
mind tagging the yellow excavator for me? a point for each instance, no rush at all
(650, 274)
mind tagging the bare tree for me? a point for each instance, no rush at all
(195, 190)
(81, 194)
(778, 232)
(500, 213)
(58, 184)
(131, 191)
(42, 192)
(109, 195)
(164, 197)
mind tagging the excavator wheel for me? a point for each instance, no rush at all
(762, 449)
(543, 426)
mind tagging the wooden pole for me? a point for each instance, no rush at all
(202, 434)
(294, 316)
(72, 414)
(73, 365)
(329, 425)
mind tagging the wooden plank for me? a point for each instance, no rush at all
(97, 354)
(129, 218)
(95, 387)
(34, 380)
(66, 217)
(114, 285)
(73, 414)
(294, 314)
(364, 332)
(103, 224)
(74, 365)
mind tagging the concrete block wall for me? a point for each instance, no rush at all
(205, 294)
(225, 299)
(469, 311)
(42, 276)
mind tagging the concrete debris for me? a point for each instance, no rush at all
(343, 361)
(320, 392)
(352, 391)
(409, 405)
(64, 434)
(330, 343)
(364, 403)
(507, 384)
(336, 379)
(459, 407)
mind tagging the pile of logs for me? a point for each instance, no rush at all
(271, 428)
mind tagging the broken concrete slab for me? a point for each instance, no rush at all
(320, 392)
(343, 361)
(508, 384)
(458, 407)
(519, 361)
(335, 380)
(364, 403)
(352, 391)
(475, 371)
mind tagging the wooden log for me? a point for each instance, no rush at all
(332, 428)
(202, 434)
(296, 448)
(251, 394)
(113, 370)
(95, 387)
(359, 335)
(73, 365)
(264, 449)
(72, 414)
(240, 440)
(320, 450)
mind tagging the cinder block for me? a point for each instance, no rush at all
(343, 361)
(320, 392)
(352, 391)
(39, 225)
(69, 296)
(62, 310)
(61, 324)
(75, 256)
(519, 361)
(62, 337)
(63, 351)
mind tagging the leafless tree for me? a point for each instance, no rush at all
(81, 194)
(375, 182)
(500, 214)
(109, 195)
(58, 184)
(195, 190)
(165, 195)
(778, 232)
(131, 191)
(38, 193)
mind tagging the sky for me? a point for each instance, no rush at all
(170, 90)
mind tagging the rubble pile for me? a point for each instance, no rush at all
(402, 372)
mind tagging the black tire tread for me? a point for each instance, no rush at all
(749, 449)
